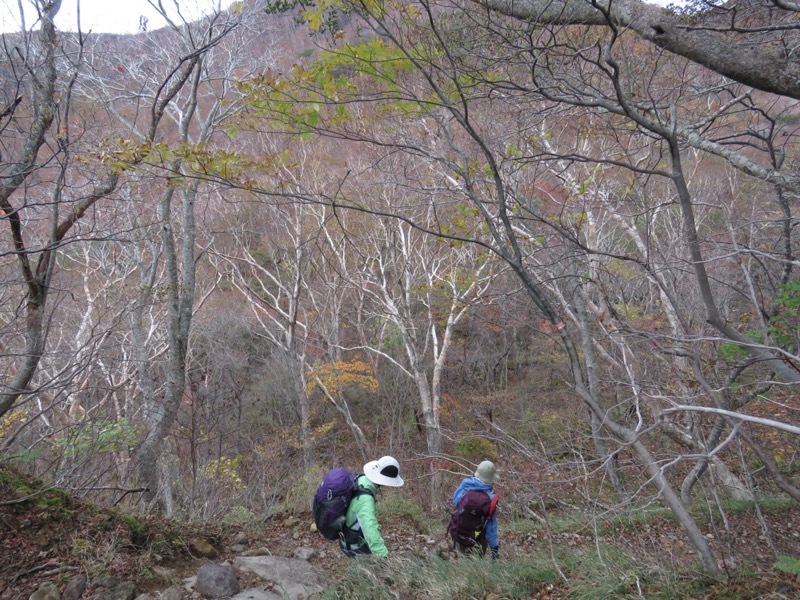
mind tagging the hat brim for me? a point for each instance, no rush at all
(378, 479)
(479, 478)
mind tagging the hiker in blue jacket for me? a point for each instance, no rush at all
(485, 476)
(361, 533)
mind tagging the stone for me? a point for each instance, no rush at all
(47, 591)
(216, 581)
(238, 548)
(124, 591)
(304, 553)
(257, 594)
(166, 575)
(291, 522)
(203, 548)
(75, 587)
(106, 581)
(257, 552)
(172, 593)
(241, 538)
(292, 577)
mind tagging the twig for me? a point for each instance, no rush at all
(377, 582)
(133, 491)
(28, 497)
(59, 569)
(533, 514)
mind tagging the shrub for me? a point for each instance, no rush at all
(396, 505)
(239, 516)
(300, 492)
(476, 449)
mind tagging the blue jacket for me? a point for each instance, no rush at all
(473, 483)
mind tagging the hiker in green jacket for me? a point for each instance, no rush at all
(361, 533)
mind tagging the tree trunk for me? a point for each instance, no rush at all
(301, 391)
(732, 486)
(677, 507)
(598, 432)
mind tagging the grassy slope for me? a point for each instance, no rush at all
(49, 536)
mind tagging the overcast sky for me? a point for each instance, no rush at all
(103, 16)
(115, 16)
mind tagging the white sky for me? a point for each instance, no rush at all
(115, 16)
(103, 16)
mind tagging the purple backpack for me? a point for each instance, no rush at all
(468, 523)
(332, 499)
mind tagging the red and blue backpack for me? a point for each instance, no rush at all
(472, 513)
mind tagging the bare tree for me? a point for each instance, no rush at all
(731, 38)
(420, 290)
(209, 57)
(268, 265)
(43, 153)
(503, 109)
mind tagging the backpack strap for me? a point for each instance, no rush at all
(358, 490)
(493, 505)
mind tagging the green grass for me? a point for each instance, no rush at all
(587, 576)
(580, 574)
(635, 519)
(48, 502)
(393, 505)
(767, 504)
(701, 512)
(436, 579)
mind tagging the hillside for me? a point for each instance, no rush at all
(49, 537)
(241, 251)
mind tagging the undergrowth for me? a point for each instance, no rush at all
(397, 506)
(604, 574)
(373, 579)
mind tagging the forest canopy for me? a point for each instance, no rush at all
(559, 235)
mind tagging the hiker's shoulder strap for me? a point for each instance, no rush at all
(495, 497)
(360, 490)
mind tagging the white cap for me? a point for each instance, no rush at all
(384, 471)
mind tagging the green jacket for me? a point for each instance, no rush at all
(361, 518)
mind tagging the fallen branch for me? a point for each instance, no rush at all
(133, 491)
(734, 415)
(27, 497)
(59, 568)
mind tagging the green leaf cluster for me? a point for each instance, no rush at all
(788, 564)
(98, 437)
(733, 353)
(476, 448)
(785, 325)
